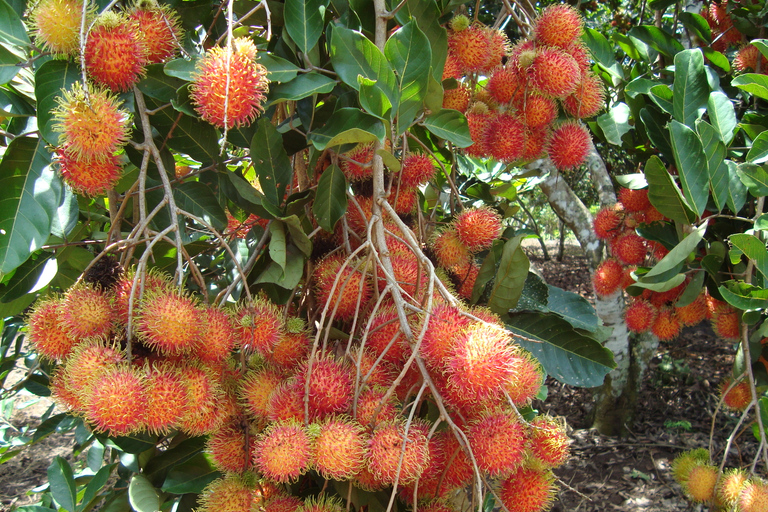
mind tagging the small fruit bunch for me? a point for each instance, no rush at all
(724, 32)
(514, 118)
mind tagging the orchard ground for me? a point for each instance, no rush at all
(678, 397)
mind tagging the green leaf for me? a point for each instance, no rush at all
(50, 79)
(330, 198)
(189, 135)
(758, 153)
(737, 192)
(717, 169)
(346, 126)
(639, 85)
(535, 295)
(690, 161)
(142, 495)
(270, 161)
(278, 68)
(753, 249)
(602, 51)
(27, 276)
(678, 254)
(450, 125)
(352, 54)
(744, 296)
(298, 236)
(9, 67)
(62, 483)
(658, 286)
(98, 481)
(135, 443)
(289, 277)
(408, 51)
(572, 307)
(277, 247)
(762, 45)
(181, 68)
(663, 97)
(12, 30)
(302, 86)
(752, 83)
(373, 100)
(716, 59)
(158, 467)
(566, 354)
(427, 14)
(304, 21)
(615, 123)
(510, 278)
(755, 178)
(250, 199)
(191, 476)
(698, 25)
(656, 128)
(30, 199)
(691, 90)
(658, 39)
(157, 84)
(664, 194)
(198, 199)
(487, 270)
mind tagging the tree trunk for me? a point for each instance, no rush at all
(561, 245)
(616, 400)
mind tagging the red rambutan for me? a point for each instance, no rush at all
(166, 397)
(286, 402)
(634, 200)
(466, 274)
(506, 138)
(356, 163)
(629, 248)
(232, 493)
(640, 315)
(87, 312)
(607, 222)
(259, 325)
(527, 378)
(753, 497)
(457, 98)
(256, 388)
(452, 68)
(536, 142)
(471, 48)
(569, 145)
(283, 452)
(160, 28)
(693, 313)
(446, 322)
(738, 397)
(506, 85)
(477, 228)
(479, 122)
(219, 336)
(666, 326)
(330, 385)
(608, 277)
(588, 99)
(372, 409)
(205, 412)
(116, 402)
(527, 490)
(549, 441)
(228, 450)
(290, 349)
(554, 72)
(449, 249)
(559, 25)
(537, 111)
(88, 177)
(417, 169)
(47, 332)
(282, 503)
(385, 336)
(727, 323)
(115, 52)
(395, 455)
(498, 442)
(352, 287)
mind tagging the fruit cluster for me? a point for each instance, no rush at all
(514, 117)
(662, 313)
(734, 489)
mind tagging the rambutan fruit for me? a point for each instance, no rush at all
(537, 111)
(466, 274)
(700, 487)
(87, 312)
(231, 448)
(666, 326)
(554, 73)
(404, 200)
(259, 325)
(290, 349)
(458, 470)
(356, 163)
(87, 361)
(479, 122)
(160, 28)
(588, 99)
(477, 228)
(166, 397)
(608, 277)
(527, 490)
(628, 280)
(47, 331)
(323, 503)
(116, 402)
(498, 441)
(329, 383)
(629, 248)
(283, 452)
(446, 323)
(341, 448)
(459, 22)
(471, 47)
(371, 372)
(746, 59)
(352, 288)
(397, 455)
(115, 52)
(385, 336)
(686, 461)
(231, 493)
(150, 282)
(56, 25)
(498, 48)
(88, 177)
(506, 85)
(219, 336)
(229, 87)
(536, 142)
(372, 409)
(452, 68)
(569, 145)
(457, 98)
(549, 441)
(653, 215)
(607, 223)
(634, 200)
(448, 248)
(286, 402)
(670, 296)
(527, 378)
(417, 169)
(753, 497)
(559, 25)
(256, 388)
(640, 315)
(693, 313)
(483, 360)
(171, 322)
(727, 323)
(730, 486)
(738, 397)
(367, 481)
(506, 138)
(282, 503)
(203, 390)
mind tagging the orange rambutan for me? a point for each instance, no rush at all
(231, 493)
(753, 497)
(554, 73)
(372, 409)
(527, 378)
(147, 283)
(371, 372)
(702, 479)
(738, 397)
(452, 68)
(457, 98)
(367, 481)
(256, 388)
(356, 163)
(536, 142)
(559, 25)
(323, 503)
(341, 448)
(588, 99)
(466, 274)
(171, 322)
(607, 223)
(56, 25)
(479, 122)
(417, 169)
(259, 325)
(290, 349)
(537, 111)
(549, 441)
(88, 177)
(116, 402)
(730, 486)
(448, 248)
(352, 288)
(498, 48)
(229, 87)
(569, 145)
(282, 503)
(608, 277)
(446, 323)
(498, 441)
(506, 138)
(47, 331)
(166, 397)
(634, 200)
(528, 490)
(471, 47)
(87, 361)
(506, 85)
(283, 452)
(206, 410)
(286, 402)
(385, 336)
(629, 248)
(87, 312)
(115, 52)
(746, 59)
(329, 383)
(219, 336)
(231, 448)
(693, 313)
(727, 323)
(477, 228)
(404, 200)
(666, 326)
(457, 470)
(160, 28)
(395, 454)
(640, 315)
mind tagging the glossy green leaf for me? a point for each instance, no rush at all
(744, 296)
(158, 467)
(658, 285)
(298, 236)
(692, 290)
(639, 85)
(691, 90)
(66, 216)
(62, 483)
(330, 198)
(450, 125)
(189, 135)
(191, 476)
(566, 354)
(663, 97)
(753, 83)
(698, 25)
(715, 151)
(755, 178)
(427, 14)
(658, 39)
(762, 45)
(247, 197)
(181, 68)
(373, 100)
(678, 254)
(737, 191)
(50, 79)
(12, 30)
(277, 245)
(142, 495)
(31, 195)
(304, 21)
(9, 67)
(535, 294)
(602, 51)
(27, 276)
(290, 276)
(278, 69)
(353, 55)
(346, 126)
(664, 194)
(758, 153)
(510, 277)
(157, 84)
(753, 249)
(97, 483)
(716, 58)
(270, 161)
(656, 129)
(615, 123)
(722, 115)
(135, 443)
(487, 270)
(198, 199)
(409, 53)
(690, 161)
(302, 86)
(572, 307)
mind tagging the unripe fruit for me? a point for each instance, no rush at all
(160, 28)
(166, 397)
(323, 503)
(341, 447)
(230, 87)
(117, 401)
(115, 53)
(629, 248)
(739, 396)
(569, 145)
(700, 486)
(730, 486)
(608, 277)
(47, 332)
(283, 452)
(559, 25)
(527, 490)
(640, 316)
(459, 23)
(170, 322)
(87, 312)
(754, 497)
(330, 385)
(498, 442)
(549, 441)
(386, 449)
(686, 461)
(56, 25)
(477, 228)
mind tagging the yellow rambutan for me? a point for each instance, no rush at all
(397, 455)
(171, 322)
(323, 503)
(87, 312)
(549, 441)
(47, 331)
(56, 25)
(115, 52)
(231, 493)
(160, 28)
(329, 382)
(527, 490)
(702, 479)
(166, 397)
(232, 447)
(730, 486)
(283, 452)
(116, 402)
(341, 448)
(498, 442)
(686, 461)
(753, 497)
